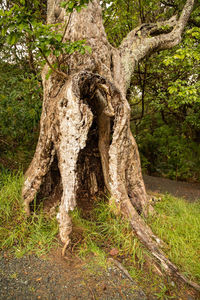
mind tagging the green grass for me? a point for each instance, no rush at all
(105, 231)
(23, 235)
(178, 224)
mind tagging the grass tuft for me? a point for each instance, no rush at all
(178, 224)
(35, 234)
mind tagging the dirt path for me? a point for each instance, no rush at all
(188, 191)
(56, 278)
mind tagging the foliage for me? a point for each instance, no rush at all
(20, 103)
(70, 5)
(37, 234)
(20, 109)
(120, 16)
(167, 152)
(166, 110)
(22, 23)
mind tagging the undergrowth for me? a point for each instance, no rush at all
(23, 235)
(104, 234)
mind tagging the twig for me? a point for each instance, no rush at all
(79, 258)
(76, 244)
(121, 267)
(50, 65)
(93, 295)
(2, 141)
(67, 24)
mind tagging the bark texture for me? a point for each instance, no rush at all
(85, 144)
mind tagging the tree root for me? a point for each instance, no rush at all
(121, 267)
(65, 247)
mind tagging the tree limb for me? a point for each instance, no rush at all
(148, 38)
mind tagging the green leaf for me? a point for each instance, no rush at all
(63, 4)
(3, 31)
(56, 53)
(88, 49)
(12, 39)
(172, 89)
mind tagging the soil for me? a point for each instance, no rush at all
(56, 277)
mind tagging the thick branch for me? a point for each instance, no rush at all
(149, 38)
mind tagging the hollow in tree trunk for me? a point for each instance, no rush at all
(85, 145)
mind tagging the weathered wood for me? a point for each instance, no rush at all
(85, 122)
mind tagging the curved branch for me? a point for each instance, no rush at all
(148, 38)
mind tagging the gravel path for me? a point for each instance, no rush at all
(31, 278)
(188, 191)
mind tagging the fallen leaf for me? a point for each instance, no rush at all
(114, 251)
(38, 279)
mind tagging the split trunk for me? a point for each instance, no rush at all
(86, 147)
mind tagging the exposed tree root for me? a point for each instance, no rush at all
(65, 247)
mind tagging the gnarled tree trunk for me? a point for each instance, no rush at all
(85, 144)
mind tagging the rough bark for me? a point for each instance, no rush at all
(85, 122)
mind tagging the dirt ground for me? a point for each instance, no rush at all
(54, 277)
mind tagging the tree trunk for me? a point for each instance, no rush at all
(85, 145)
